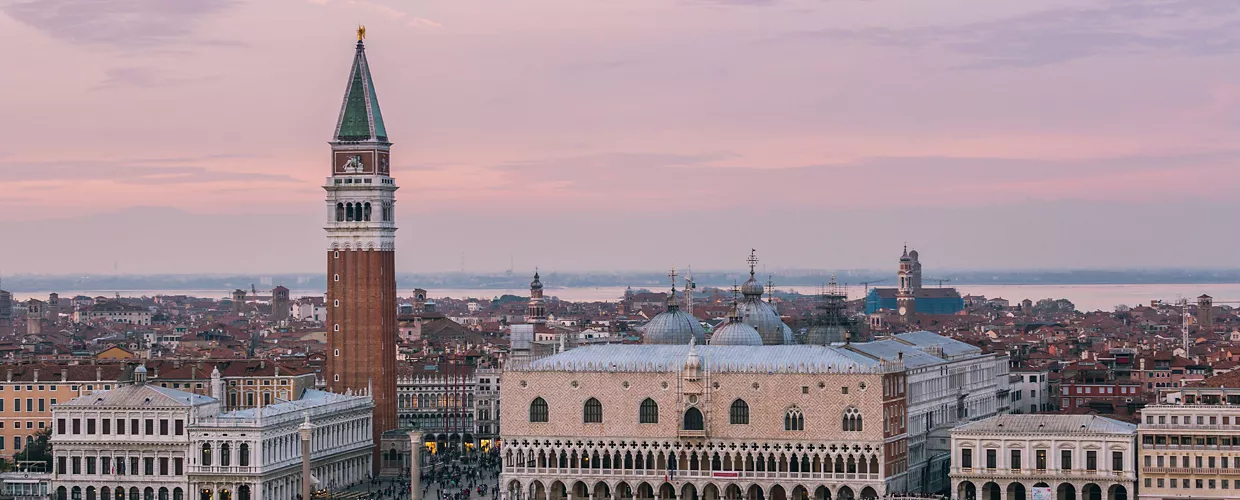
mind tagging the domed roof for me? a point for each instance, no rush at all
(537, 283)
(752, 288)
(825, 335)
(673, 326)
(736, 333)
(762, 317)
(789, 339)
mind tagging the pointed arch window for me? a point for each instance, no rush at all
(693, 420)
(593, 412)
(538, 410)
(738, 414)
(794, 420)
(852, 419)
(649, 413)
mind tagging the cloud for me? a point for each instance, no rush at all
(121, 23)
(141, 76)
(128, 173)
(1115, 27)
(648, 181)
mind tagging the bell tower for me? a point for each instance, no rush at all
(361, 265)
(905, 292)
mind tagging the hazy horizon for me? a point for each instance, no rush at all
(172, 137)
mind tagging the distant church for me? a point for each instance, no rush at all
(909, 297)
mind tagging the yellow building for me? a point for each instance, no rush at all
(29, 391)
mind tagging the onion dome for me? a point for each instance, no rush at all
(752, 288)
(825, 335)
(537, 283)
(735, 332)
(673, 326)
(763, 318)
(906, 257)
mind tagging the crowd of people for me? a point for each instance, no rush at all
(453, 475)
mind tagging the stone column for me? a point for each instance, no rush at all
(306, 429)
(415, 465)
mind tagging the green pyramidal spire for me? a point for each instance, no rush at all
(360, 119)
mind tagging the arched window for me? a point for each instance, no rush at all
(794, 420)
(225, 455)
(693, 420)
(593, 412)
(366, 212)
(649, 412)
(339, 212)
(243, 455)
(348, 211)
(538, 410)
(852, 419)
(739, 413)
(206, 454)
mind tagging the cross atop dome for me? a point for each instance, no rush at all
(752, 260)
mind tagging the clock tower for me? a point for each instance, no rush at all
(361, 243)
(906, 291)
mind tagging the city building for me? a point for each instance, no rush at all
(917, 299)
(438, 399)
(1065, 457)
(280, 308)
(114, 311)
(243, 383)
(949, 382)
(1031, 391)
(142, 441)
(29, 391)
(361, 257)
(709, 422)
(1190, 443)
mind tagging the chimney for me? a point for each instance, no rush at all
(64, 374)
(10, 370)
(36, 374)
(98, 374)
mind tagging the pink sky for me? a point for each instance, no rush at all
(628, 134)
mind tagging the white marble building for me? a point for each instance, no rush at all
(145, 442)
(1065, 457)
(1031, 394)
(949, 382)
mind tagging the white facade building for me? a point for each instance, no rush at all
(949, 382)
(1064, 457)
(1031, 394)
(144, 442)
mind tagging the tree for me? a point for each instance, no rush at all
(38, 450)
(1051, 306)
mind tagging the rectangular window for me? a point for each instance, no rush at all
(179, 427)
(62, 465)
(133, 465)
(966, 458)
(90, 426)
(150, 426)
(163, 466)
(30, 404)
(992, 459)
(148, 466)
(1160, 482)
(1065, 459)
(120, 466)
(177, 464)
(133, 426)
(60, 426)
(1015, 462)
(163, 427)
(1149, 462)
(42, 404)
(107, 426)
(77, 464)
(90, 465)
(105, 463)
(1040, 459)
(1091, 460)
(77, 426)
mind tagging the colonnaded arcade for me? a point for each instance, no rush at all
(709, 422)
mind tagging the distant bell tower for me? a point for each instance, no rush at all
(361, 259)
(905, 293)
(536, 313)
(34, 317)
(1205, 314)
